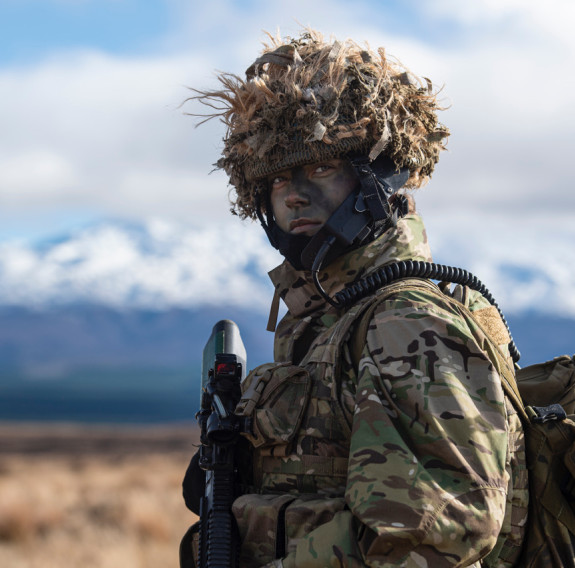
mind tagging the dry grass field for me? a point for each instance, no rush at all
(92, 497)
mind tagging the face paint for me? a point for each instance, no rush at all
(304, 197)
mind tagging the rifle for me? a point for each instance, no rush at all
(223, 368)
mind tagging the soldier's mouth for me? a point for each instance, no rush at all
(303, 225)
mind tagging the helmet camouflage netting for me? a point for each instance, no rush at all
(305, 100)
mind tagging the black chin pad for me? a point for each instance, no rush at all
(290, 246)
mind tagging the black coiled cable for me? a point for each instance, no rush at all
(418, 269)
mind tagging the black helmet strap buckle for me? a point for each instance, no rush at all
(371, 188)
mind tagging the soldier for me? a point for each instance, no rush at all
(381, 435)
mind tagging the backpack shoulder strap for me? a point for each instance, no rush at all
(506, 372)
(360, 329)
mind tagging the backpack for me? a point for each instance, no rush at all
(544, 397)
(548, 393)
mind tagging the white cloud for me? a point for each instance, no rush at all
(552, 19)
(35, 173)
(99, 130)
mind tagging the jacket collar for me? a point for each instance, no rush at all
(406, 241)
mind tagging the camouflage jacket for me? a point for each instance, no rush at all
(410, 456)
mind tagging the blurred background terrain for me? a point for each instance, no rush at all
(73, 496)
(118, 253)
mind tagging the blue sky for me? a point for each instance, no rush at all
(91, 89)
(31, 30)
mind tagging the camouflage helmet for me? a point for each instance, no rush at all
(305, 100)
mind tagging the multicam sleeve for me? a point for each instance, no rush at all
(427, 477)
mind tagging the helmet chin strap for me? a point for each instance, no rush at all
(348, 227)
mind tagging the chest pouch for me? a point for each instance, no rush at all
(274, 400)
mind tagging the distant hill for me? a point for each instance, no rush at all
(97, 364)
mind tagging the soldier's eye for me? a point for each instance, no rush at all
(277, 181)
(323, 168)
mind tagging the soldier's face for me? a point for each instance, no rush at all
(303, 198)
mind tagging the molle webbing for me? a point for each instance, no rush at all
(324, 356)
(307, 465)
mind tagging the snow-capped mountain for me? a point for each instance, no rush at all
(153, 265)
(160, 265)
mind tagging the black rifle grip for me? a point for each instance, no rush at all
(222, 553)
